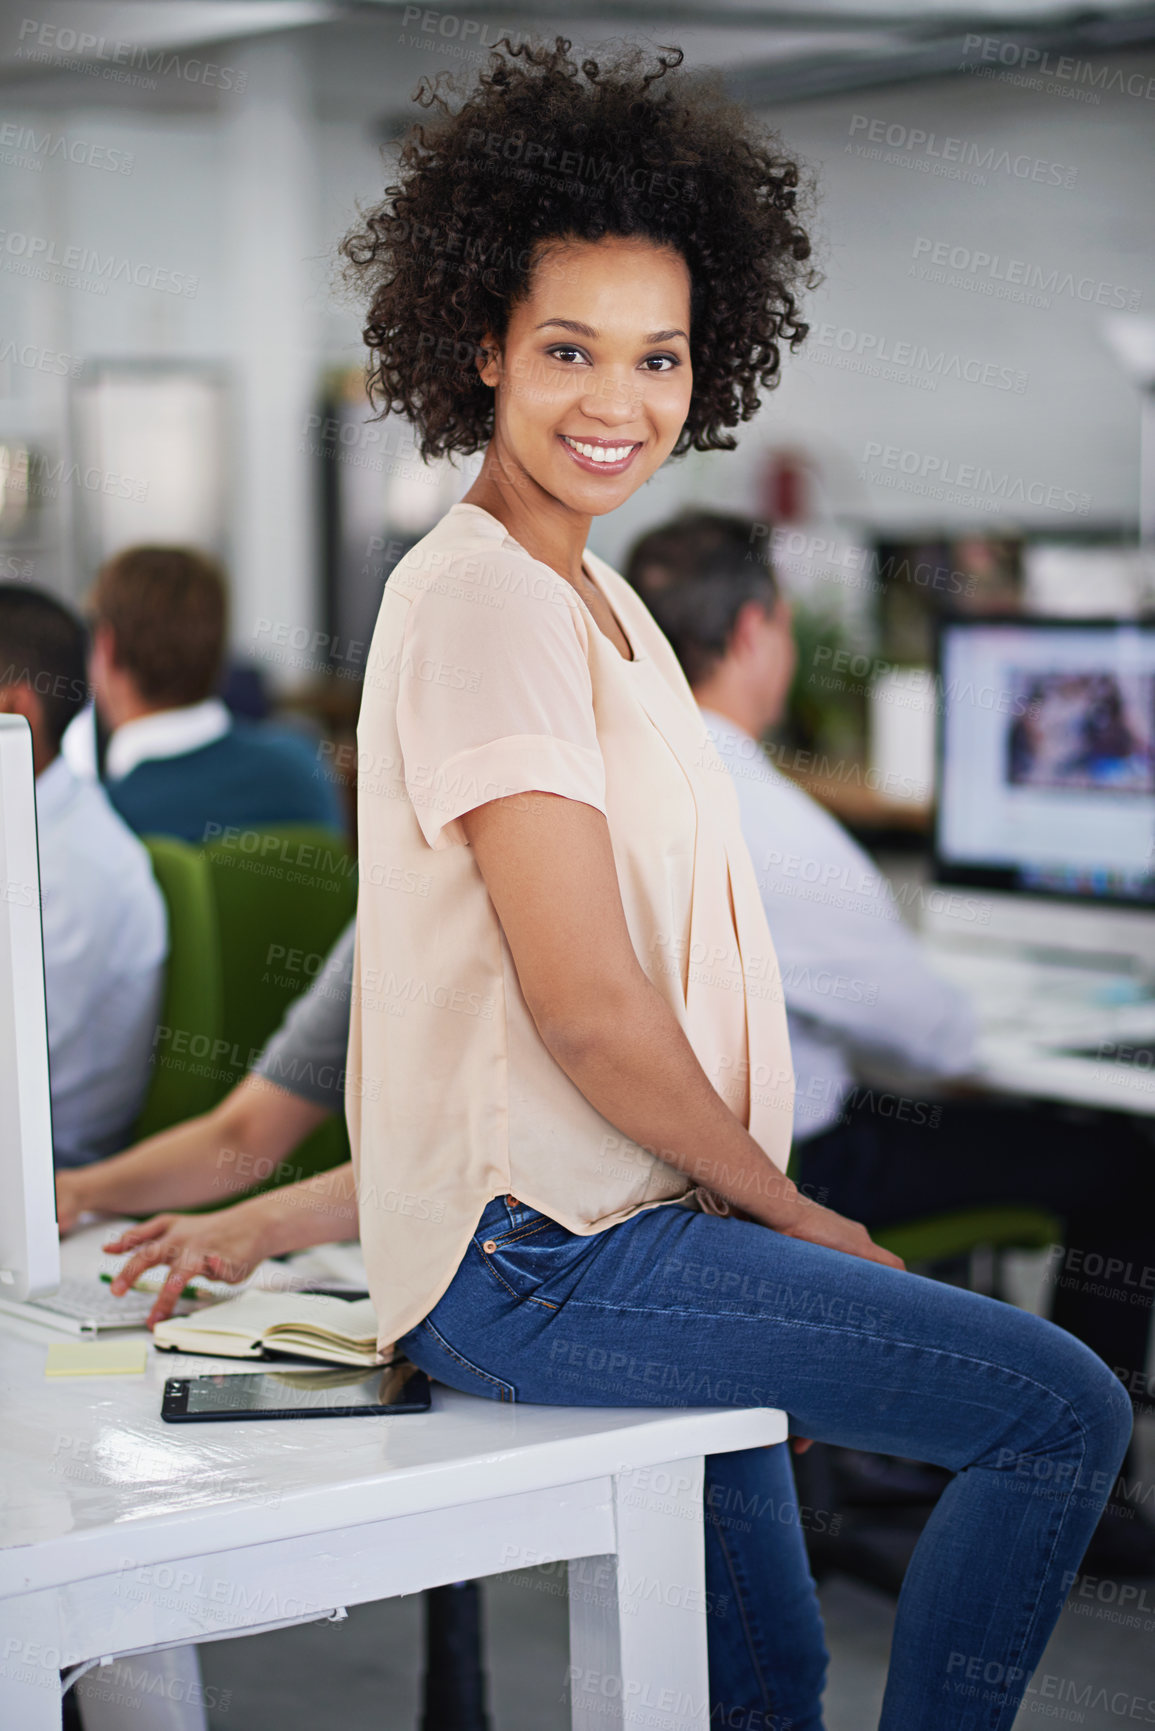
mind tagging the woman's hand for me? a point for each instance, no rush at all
(815, 1224)
(225, 1246)
(818, 1225)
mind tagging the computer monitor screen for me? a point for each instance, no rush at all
(1047, 757)
(29, 1242)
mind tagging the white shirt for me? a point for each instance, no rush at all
(854, 976)
(105, 943)
(168, 733)
(78, 745)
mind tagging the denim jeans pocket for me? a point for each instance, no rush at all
(426, 1347)
(529, 1255)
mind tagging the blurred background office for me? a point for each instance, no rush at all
(954, 483)
(961, 430)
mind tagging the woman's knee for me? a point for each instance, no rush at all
(1118, 1412)
(1080, 1414)
(1095, 1392)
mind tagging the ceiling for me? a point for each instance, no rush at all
(769, 52)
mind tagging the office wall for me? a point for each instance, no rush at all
(198, 245)
(75, 235)
(1001, 395)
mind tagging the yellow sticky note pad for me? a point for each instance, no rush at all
(97, 1358)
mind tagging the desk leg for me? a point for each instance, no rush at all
(30, 1663)
(637, 1619)
(454, 1687)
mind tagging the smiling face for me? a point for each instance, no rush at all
(593, 379)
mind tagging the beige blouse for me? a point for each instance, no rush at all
(488, 676)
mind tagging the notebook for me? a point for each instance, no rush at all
(260, 1324)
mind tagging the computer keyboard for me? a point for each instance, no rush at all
(87, 1305)
(94, 1301)
(1127, 1055)
(84, 1305)
(1056, 1003)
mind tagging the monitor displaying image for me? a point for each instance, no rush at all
(1076, 729)
(1047, 757)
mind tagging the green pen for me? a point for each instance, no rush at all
(185, 1292)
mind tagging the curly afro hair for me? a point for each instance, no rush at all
(544, 149)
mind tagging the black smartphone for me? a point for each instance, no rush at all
(302, 1392)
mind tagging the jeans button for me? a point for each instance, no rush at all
(512, 1202)
(489, 1247)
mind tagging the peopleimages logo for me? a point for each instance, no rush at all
(989, 273)
(103, 56)
(926, 471)
(914, 143)
(36, 255)
(906, 361)
(24, 147)
(1031, 65)
(40, 360)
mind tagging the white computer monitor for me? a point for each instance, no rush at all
(1046, 778)
(29, 1240)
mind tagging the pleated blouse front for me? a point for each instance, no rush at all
(489, 677)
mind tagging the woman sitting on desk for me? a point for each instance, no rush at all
(571, 1052)
(582, 272)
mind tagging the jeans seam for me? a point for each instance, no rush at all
(517, 1233)
(835, 1328)
(1058, 1527)
(733, 1571)
(508, 1392)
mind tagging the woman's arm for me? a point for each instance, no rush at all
(549, 868)
(229, 1244)
(226, 1150)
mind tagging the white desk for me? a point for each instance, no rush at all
(1033, 1010)
(122, 1534)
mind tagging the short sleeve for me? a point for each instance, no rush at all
(494, 696)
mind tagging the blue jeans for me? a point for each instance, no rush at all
(675, 1308)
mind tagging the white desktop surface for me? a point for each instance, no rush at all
(1031, 1006)
(91, 1474)
(122, 1533)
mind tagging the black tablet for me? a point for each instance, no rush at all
(300, 1392)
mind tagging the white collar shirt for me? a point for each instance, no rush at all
(105, 943)
(167, 733)
(855, 978)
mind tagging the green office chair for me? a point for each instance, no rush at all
(282, 898)
(183, 1083)
(974, 1237)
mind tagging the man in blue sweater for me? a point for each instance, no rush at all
(177, 762)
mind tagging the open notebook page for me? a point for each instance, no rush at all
(251, 1315)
